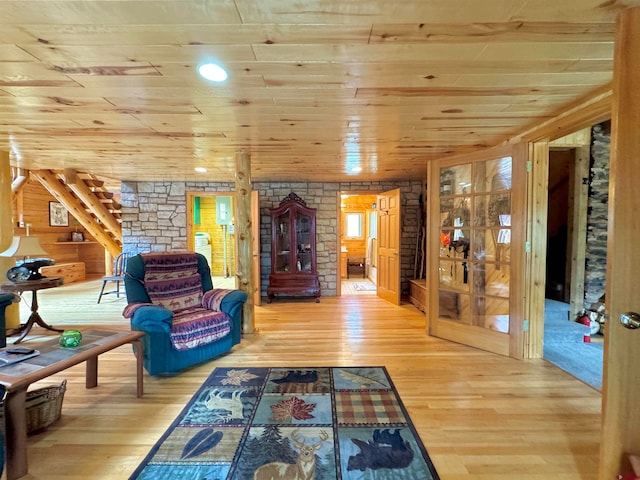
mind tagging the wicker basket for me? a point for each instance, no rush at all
(44, 406)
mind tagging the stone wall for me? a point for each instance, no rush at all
(154, 219)
(154, 214)
(596, 253)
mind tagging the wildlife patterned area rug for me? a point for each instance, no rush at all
(322, 423)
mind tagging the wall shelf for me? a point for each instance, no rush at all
(76, 243)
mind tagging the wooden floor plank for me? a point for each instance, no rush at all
(480, 416)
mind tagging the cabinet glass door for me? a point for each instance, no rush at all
(283, 239)
(303, 240)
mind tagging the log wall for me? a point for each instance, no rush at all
(56, 241)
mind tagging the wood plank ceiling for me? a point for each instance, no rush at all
(315, 87)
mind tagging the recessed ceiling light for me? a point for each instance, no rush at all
(200, 169)
(212, 72)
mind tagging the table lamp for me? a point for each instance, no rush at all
(26, 269)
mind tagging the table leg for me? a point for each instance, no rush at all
(23, 330)
(36, 316)
(16, 433)
(92, 372)
(34, 319)
(138, 350)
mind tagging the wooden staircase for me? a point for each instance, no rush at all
(89, 202)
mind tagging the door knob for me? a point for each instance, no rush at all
(630, 320)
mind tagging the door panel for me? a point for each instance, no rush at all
(471, 250)
(621, 381)
(389, 223)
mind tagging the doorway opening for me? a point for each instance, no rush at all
(211, 232)
(358, 243)
(568, 344)
(557, 286)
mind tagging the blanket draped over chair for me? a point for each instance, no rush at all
(173, 282)
(179, 283)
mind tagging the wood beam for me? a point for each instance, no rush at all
(517, 304)
(50, 181)
(6, 207)
(19, 182)
(243, 234)
(577, 139)
(93, 203)
(20, 179)
(255, 247)
(587, 111)
(536, 236)
(577, 228)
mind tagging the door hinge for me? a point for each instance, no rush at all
(529, 166)
(525, 325)
(527, 247)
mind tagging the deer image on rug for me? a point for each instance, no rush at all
(303, 469)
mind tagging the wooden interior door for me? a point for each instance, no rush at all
(621, 381)
(475, 251)
(389, 246)
(255, 246)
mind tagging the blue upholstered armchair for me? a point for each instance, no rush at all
(186, 321)
(6, 299)
(3, 395)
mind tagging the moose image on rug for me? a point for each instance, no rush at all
(323, 423)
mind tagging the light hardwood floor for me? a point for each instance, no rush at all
(479, 415)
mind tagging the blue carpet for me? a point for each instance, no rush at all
(565, 348)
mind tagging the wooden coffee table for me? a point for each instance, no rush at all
(53, 359)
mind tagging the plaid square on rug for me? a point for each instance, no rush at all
(323, 423)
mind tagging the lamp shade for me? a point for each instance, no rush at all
(24, 247)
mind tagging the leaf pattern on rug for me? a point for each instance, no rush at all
(295, 408)
(236, 377)
(201, 442)
(365, 382)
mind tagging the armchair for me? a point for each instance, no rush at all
(186, 321)
(3, 396)
(6, 299)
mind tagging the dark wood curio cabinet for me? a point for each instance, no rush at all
(293, 250)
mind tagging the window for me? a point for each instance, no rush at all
(354, 225)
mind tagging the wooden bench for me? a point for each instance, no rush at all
(70, 272)
(356, 265)
(418, 293)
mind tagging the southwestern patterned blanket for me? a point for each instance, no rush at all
(320, 423)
